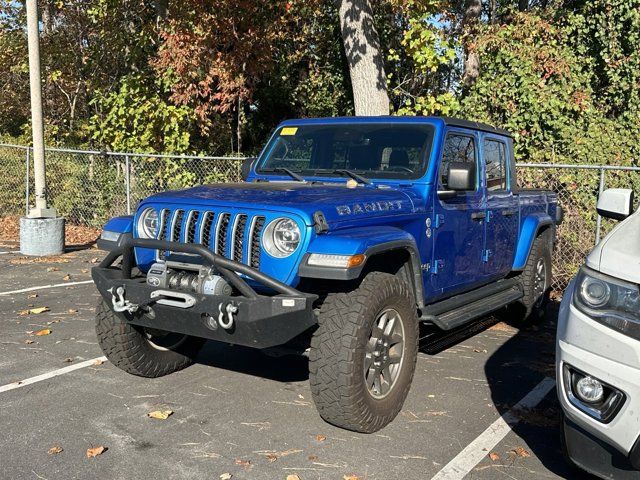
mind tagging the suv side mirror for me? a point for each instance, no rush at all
(461, 176)
(245, 170)
(615, 203)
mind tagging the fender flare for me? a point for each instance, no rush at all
(369, 241)
(531, 226)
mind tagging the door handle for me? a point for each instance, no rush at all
(508, 213)
(478, 216)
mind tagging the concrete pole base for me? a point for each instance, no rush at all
(41, 236)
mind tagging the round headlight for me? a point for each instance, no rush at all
(594, 292)
(281, 237)
(148, 224)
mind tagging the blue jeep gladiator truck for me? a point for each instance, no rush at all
(344, 236)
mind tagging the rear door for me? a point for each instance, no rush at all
(458, 222)
(502, 207)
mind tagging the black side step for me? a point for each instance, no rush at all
(456, 311)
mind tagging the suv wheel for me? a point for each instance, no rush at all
(363, 353)
(536, 281)
(143, 351)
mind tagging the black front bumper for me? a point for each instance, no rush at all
(598, 457)
(260, 321)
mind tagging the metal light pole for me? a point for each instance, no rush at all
(41, 233)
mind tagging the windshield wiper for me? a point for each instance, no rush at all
(354, 175)
(292, 174)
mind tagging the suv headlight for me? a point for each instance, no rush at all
(608, 300)
(148, 223)
(281, 237)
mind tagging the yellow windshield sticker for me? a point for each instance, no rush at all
(289, 131)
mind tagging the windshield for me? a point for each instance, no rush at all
(384, 151)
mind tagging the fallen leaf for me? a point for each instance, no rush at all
(72, 310)
(28, 342)
(66, 278)
(494, 456)
(160, 414)
(243, 463)
(32, 295)
(300, 397)
(520, 452)
(321, 438)
(54, 450)
(477, 350)
(293, 476)
(312, 458)
(38, 310)
(271, 457)
(431, 396)
(98, 362)
(44, 331)
(23, 313)
(226, 476)
(52, 269)
(84, 270)
(95, 451)
(68, 360)
(350, 477)
(95, 260)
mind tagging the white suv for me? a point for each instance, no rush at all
(598, 350)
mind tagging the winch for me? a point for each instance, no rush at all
(202, 279)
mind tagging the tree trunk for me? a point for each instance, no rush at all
(470, 22)
(46, 15)
(366, 64)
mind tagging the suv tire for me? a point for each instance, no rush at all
(143, 352)
(363, 354)
(536, 281)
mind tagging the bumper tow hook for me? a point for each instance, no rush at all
(225, 315)
(119, 302)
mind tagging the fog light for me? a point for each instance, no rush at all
(590, 390)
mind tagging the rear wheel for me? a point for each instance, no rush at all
(363, 353)
(536, 282)
(141, 351)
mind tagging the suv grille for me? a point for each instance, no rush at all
(234, 236)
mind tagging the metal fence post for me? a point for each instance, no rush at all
(26, 183)
(127, 181)
(599, 219)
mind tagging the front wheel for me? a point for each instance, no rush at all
(140, 351)
(363, 354)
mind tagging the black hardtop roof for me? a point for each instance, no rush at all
(459, 122)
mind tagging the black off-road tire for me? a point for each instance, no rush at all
(338, 348)
(128, 347)
(533, 305)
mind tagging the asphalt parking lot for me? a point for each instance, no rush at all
(242, 413)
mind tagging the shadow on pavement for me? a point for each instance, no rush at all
(288, 368)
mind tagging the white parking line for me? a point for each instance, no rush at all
(42, 287)
(473, 454)
(54, 373)
(7, 253)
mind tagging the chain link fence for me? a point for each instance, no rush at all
(89, 187)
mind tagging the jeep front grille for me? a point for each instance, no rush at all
(234, 236)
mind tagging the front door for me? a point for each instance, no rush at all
(458, 221)
(502, 208)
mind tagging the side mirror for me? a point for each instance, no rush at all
(247, 163)
(615, 203)
(461, 176)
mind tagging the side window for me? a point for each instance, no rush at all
(495, 157)
(457, 148)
